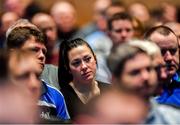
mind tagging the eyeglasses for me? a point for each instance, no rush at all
(171, 50)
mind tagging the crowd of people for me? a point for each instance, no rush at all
(123, 67)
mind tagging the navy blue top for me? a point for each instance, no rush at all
(171, 94)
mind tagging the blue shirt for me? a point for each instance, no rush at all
(52, 103)
(171, 96)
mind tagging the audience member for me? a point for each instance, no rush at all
(23, 8)
(50, 72)
(15, 6)
(169, 12)
(98, 22)
(139, 11)
(27, 38)
(14, 98)
(157, 60)
(77, 69)
(7, 19)
(25, 71)
(65, 16)
(95, 39)
(132, 74)
(47, 25)
(167, 40)
(120, 28)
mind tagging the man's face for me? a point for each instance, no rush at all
(48, 27)
(122, 31)
(39, 50)
(65, 16)
(160, 68)
(169, 49)
(25, 72)
(139, 75)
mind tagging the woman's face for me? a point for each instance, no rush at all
(82, 64)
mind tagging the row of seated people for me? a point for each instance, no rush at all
(145, 72)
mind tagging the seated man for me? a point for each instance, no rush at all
(130, 73)
(27, 38)
(25, 71)
(50, 72)
(168, 42)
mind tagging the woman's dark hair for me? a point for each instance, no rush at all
(64, 75)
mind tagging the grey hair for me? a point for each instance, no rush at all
(151, 48)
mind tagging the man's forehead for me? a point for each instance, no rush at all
(32, 42)
(136, 61)
(164, 41)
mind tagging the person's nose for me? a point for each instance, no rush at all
(124, 33)
(83, 65)
(167, 56)
(41, 56)
(145, 74)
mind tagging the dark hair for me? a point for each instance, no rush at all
(119, 16)
(20, 35)
(115, 4)
(4, 57)
(119, 56)
(64, 75)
